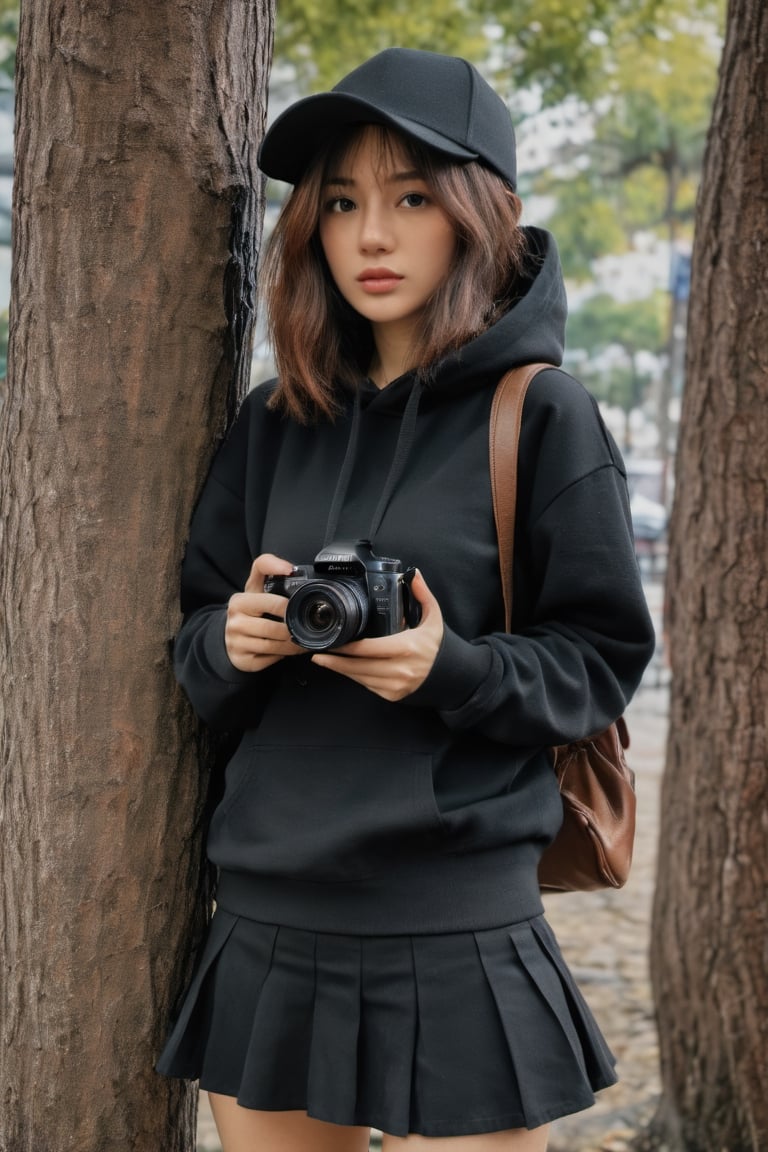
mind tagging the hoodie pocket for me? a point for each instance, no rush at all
(330, 814)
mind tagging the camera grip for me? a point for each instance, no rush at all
(411, 606)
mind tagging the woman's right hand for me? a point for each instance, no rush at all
(253, 641)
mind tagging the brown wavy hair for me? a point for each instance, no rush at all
(321, 344)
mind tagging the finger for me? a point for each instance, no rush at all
(266, 564)
(387, 687)
(365, 670)
(253, 662)
(257, 627)
(421, 592)
(400, 645)
(349, 668)
(257, 604)
(375, 648)
(244, 649)
(278, 648)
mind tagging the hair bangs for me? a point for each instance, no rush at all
(391, 149)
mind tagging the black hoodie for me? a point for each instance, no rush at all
(344, 812)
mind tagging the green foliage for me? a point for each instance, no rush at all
(660, 102)
(640, 200)
(559, 48)
(585, 224)
(9, 34)
(650, 124)
(566, 47)
(637, 326)
(324, 39)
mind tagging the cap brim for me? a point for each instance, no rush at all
(302, 130)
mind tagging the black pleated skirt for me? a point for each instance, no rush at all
(441, 1035)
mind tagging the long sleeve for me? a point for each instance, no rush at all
(582, 634)
(216, 565)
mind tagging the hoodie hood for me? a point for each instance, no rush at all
(532, 331)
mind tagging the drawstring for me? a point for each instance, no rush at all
(402, 451)
(345, 474)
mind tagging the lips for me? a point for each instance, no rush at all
(378, 274)
(378, 279)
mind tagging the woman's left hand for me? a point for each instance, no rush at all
(393, 666)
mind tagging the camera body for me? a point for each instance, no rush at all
(347, 594)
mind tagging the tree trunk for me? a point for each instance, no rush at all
(710, 927)
(137, 215)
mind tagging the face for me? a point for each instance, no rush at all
(388, 244)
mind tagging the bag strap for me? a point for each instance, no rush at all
(504, 436)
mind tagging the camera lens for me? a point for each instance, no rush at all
(322, 614)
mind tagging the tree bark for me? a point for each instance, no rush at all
(137, 217)
(710, 925)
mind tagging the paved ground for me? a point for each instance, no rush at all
(604, 936)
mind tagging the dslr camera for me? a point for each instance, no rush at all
(348, 593)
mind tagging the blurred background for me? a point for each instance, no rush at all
(611, 100)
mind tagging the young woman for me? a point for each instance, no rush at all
(378, 955)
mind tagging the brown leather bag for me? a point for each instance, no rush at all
(593, 848)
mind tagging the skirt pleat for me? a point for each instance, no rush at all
(332, 1087)
(185, 1049)
(388, 1020)
(539, 1031)
(459, 1028)
(599, 1059)
(441, 1035)
(276, 1062)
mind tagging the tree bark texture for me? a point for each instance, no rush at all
(137, 217)
(710, 927)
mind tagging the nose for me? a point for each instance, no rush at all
(375, 231)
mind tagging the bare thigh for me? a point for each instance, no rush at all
(248, 1130)
(514, 1140)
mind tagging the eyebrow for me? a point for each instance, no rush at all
(395, 178)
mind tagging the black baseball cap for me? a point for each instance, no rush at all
(443, 101)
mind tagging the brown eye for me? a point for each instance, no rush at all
(340, 204)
